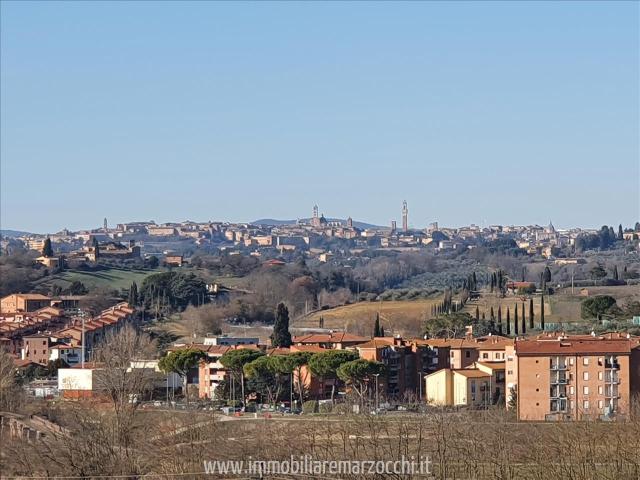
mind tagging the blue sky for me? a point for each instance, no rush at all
(472, 112)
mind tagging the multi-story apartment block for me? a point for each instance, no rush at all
(573, 377)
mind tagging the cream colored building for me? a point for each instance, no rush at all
(464, 387)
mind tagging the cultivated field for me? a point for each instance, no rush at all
(403, 317)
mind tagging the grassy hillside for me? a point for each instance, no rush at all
(404, 317)
(112, 278)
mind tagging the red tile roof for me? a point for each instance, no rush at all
(573, 345)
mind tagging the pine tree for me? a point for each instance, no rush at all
(281, 337)
(531, 314)
(542, 312)
(376, 326)
(508, 323)
(47, 249)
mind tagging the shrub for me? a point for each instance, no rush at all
(593, 307)
(310, 406)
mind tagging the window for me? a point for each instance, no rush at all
(572, 390)
(600, 390)
(585, 390)
(585, 376)
(571, 361)
(44, 342)
(585, 361)
(599, 375)
(467, 354)
(599, 403)
(485, 355)
(585, 404)
(452, 354)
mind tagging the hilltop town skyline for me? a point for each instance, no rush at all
(360, 223)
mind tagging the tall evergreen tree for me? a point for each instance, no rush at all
(281, 337)
(477, 314)
(524, 320)
(47, 249)
(376, 326)
(542, 312)
(620, 235)
(492, 314)
(381, 331)
(547, 275)
(133, 294)
(515, 323)
(531, 314)
(508, 323)
(615, 272)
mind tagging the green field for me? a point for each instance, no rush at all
(112, 278)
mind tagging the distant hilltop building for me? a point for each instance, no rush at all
(405, 217)
(317, 221)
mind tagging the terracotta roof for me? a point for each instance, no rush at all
(378, 342)
(307, 348)
(335, 337)
(493, 365)
(278, 351)
(573, 345)
(20, 363)
(472, 373)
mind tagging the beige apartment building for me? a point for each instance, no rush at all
(573, 377)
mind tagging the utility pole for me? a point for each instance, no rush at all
(82, 314)
(376, 375)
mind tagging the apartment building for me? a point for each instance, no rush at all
(573, 377)
(397, 356)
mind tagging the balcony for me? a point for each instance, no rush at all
(558, 366)
(611, 377)
(611, 365)
(559, 380)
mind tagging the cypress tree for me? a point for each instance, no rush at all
(47, 249)
(477, 314)
(620, 235)
(542, 312)
(508, 323)
(531, 314)
(615, 272)
(483, 317)
(382, 331)
(281, 337)
(133, 294)
(376, 326)
(524, 321)
(492, 315)
(515, 322)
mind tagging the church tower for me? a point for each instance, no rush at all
(405, 217)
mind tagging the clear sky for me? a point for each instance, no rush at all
(483, 113)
